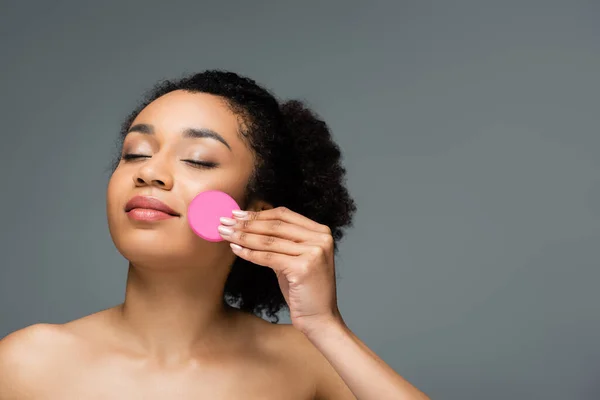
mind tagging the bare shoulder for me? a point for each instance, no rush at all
(328, 383)
(36, 358)
(25, 356)
(32, 344)
(293, 347)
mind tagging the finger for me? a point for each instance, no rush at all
(284, 214)
(255, 241)
(276, 261)
(275, 227)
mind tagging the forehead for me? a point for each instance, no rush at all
(179, 110)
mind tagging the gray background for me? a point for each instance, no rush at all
(470, 136)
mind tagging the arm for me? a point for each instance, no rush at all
(302, 254)
(364, 373)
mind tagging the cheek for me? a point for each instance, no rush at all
(190, 183)
(114, 192)
(232, 184)
(111, 189)
(234, 181)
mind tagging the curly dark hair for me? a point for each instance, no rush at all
(298, 166)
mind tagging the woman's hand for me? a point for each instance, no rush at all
(300, 251)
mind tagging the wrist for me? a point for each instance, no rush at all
(325, 327)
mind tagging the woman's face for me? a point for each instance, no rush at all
(167, 138)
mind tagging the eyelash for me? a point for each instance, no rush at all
(194, 163)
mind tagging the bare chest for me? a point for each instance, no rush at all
(249, 381)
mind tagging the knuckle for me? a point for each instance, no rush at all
(275, 225)
(316, 251)
(282, 210)
(326, 229)
(328, 240)
(245, 223)
(243, 237)
(269, 241)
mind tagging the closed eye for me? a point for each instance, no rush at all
(131, 156)
(193, 163)
(201, 164)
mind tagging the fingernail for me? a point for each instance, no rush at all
(239, 213)
(225, 230)
(235, 247)
(227, 221)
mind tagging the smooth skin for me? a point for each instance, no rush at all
(173, 337)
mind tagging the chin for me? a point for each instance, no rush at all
(151, 246)
(153, 258)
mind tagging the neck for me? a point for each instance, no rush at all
(174, 316)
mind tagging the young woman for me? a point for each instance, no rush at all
(191, 325)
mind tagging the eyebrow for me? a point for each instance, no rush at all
(193, 133)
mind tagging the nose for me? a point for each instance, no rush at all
(154, 172)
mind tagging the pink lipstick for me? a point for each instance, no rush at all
(145, 208)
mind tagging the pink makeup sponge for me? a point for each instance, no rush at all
(206, 209)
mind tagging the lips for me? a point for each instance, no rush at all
(149, 203)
